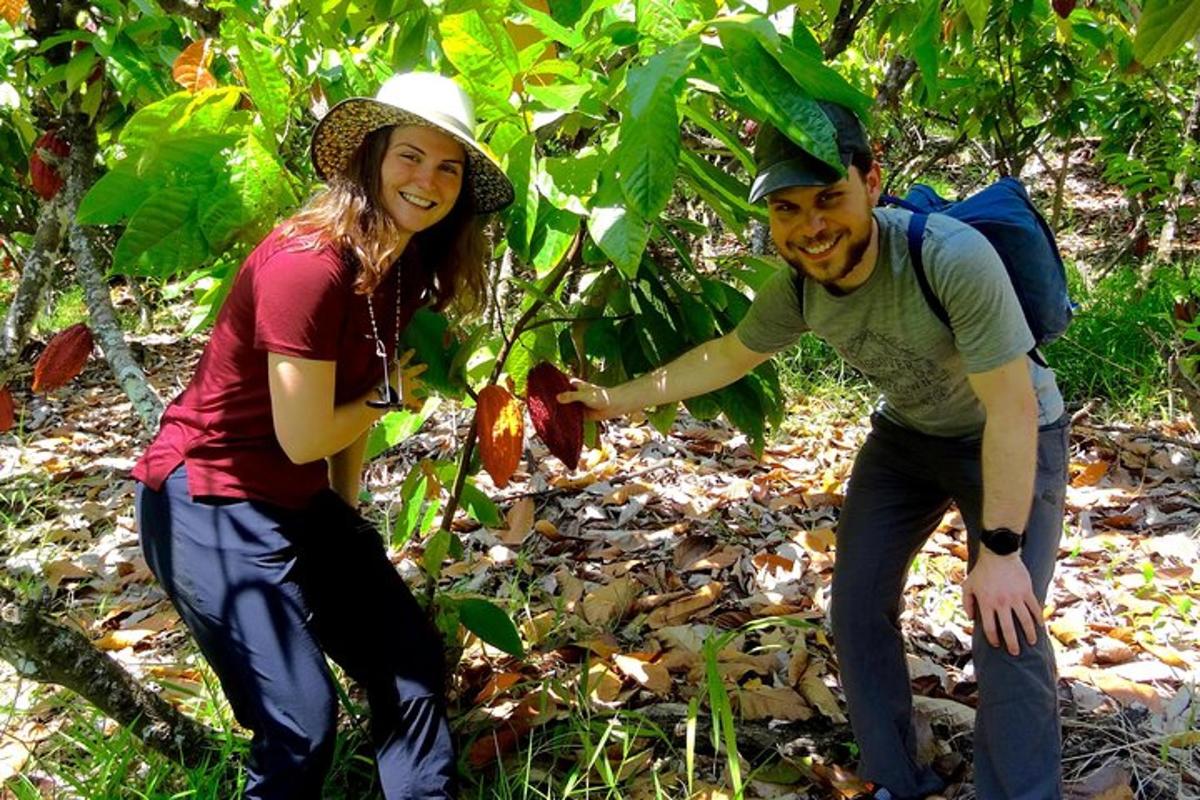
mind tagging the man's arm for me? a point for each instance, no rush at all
(702, 369)
(1000, 585)
(345, 469)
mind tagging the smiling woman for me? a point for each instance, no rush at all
(246, 499)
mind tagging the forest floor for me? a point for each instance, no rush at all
(619, 572)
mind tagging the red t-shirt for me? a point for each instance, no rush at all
(291, 299)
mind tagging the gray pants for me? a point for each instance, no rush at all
(902, 484)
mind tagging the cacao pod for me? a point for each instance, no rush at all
(559, 425)
(501, 432)
(6, 409)
(44, 174)
(63, 358)
(1063, 7)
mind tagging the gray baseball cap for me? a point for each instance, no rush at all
(782, 163)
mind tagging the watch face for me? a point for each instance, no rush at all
(1001, 541)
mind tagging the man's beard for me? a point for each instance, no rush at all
(854, 254)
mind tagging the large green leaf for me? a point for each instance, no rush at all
(521, 168)
(570, 181)
(112, 198)
(1165, 25)
(428, 334)
(648, 155)
(491, 624)
(482, 50)
(552, 239)
(785, 105)
(977, 12)
(925, 44)
(265, 79)
(396, 426)
(619, 230)
(255, 190)
(163, 236)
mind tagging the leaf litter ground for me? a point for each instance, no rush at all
(618, 572)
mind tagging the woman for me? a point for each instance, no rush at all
(245, 500)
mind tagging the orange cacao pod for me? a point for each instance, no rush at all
(63, 358)
(44, 176)
(559, 425)
(6, 409)
(501, 433)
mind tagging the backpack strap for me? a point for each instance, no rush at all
(916, 237)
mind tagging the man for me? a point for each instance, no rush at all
(966, 417)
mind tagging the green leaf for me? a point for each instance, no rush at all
(925, 44)
(663, 417)
(480, 507)
(265, 79)
(570, 181)
(163, 237)
(437, 548)
(491, 624)
(428, 334)
(482, 51)
(396, 426)
(619, 230)
(779, 98)
(560, 97)
(79, 68)
(112, 198)
(258, 188)
(521, 168)
(552, 239)
(648, 155)
(743, 408)
(647, 82)
(1165, 25)
(977, 12)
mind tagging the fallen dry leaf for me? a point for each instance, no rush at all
(648, 675)
(63, 570)
(953, 714)
(610, 602)
(681, 610)
(818, 694)
(520, 522)
(772, 702)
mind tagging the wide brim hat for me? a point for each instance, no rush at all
(412, 98)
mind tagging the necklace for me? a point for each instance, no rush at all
(389, 396)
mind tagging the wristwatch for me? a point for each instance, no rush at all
(1001, 541)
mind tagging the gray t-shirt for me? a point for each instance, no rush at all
(886, 330)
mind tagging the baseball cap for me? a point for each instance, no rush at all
(782, 163)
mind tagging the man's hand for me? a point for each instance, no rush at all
(999, 586)
(597, 399)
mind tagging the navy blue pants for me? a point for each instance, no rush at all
(268, 593)
(901, 486)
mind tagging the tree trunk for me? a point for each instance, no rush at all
(1191, 132)
(899, 72)
(45, 651)
(146, 403)
(1060, 185)
(35, 274)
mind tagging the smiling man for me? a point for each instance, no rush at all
(966, 417)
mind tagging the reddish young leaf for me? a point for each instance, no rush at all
(63, 358)
(190, 69)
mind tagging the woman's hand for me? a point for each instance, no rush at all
(411, 387)
(597, 399)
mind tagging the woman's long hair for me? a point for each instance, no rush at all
(447, 258)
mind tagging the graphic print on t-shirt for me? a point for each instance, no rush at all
(902, 373)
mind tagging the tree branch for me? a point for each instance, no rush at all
(48, 652)
(208, 20)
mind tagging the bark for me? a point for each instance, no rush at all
(1191, 132)
(899, 72)
(208, 20)
(1060, 185)
(35, 274)
(88, 268)
(845, 25)
(48, 652)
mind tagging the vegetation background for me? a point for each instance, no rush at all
(146, 146)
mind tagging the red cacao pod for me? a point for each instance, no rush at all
(63, 358)
(1063, 7)
(559, 425)
(6, 409)
(43, 174)
(501, 432)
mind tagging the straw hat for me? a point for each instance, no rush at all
(412, 98)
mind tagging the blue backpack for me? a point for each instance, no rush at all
(1004, 214)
